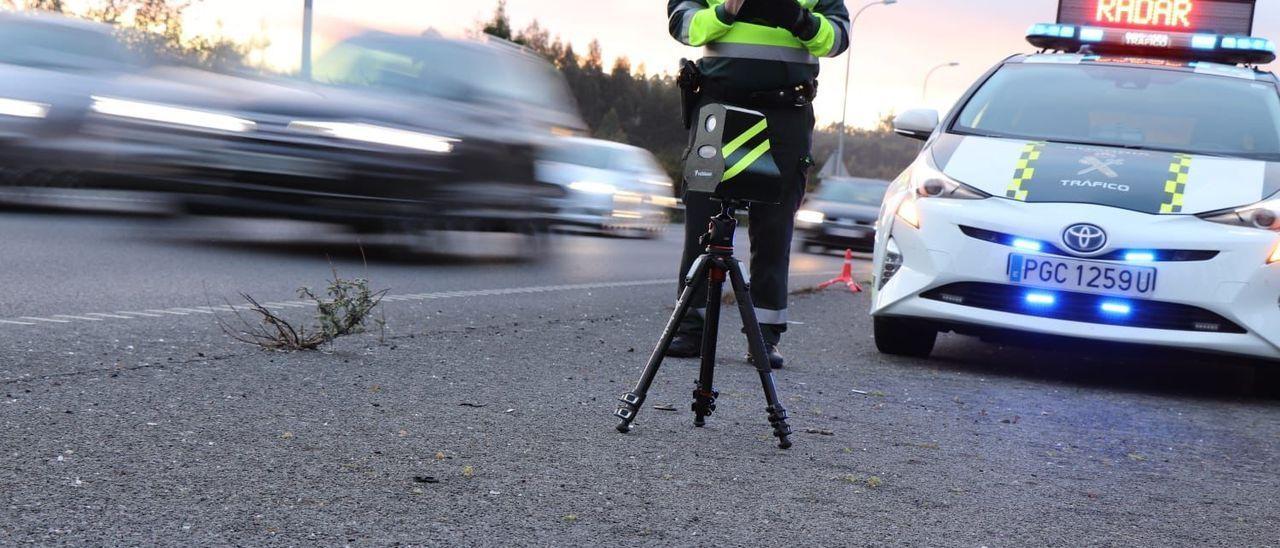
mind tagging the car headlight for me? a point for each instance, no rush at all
(23, 109)
(592, 187)
(810, 216)
(927, 183)
(379, 135)
(657, 182)
(1264, 215)
(165, 114)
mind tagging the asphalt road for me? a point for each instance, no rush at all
(481, 414)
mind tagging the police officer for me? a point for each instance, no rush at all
(761, 55)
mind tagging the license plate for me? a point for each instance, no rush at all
(1075, 275)
(850, 232)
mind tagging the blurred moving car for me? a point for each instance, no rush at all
(841, 214)
(610, 187)
(390, 140)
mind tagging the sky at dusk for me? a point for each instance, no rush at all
(893, 46)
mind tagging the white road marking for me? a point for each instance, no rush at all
(143, 314)
(190, 310)
(456, 294)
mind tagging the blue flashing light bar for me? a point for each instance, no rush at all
(1116, 308)
(1029, 245)
(1248, 44)
(1204, 41)
(1140, 256)
(1155, 42)
(1041, 299)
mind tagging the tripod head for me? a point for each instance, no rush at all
(719, 236)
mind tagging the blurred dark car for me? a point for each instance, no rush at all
(841, 214)
(365, 151)
(390, 136)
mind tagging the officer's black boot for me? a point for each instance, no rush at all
(685, 345)
(776, 360)
(772, 335)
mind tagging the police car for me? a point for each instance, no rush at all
(1121, 185)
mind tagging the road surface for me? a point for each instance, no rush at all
(481, 414)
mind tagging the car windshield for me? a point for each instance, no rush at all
(449, 69)
(1132, 107)
(36, 44)
(852, 192)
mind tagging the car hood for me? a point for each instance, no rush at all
(1138, 180)
(841, 210)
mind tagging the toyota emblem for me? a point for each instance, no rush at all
(1084, 238)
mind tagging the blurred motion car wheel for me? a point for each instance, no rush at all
(901, 337)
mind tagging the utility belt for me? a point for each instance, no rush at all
(694, 87)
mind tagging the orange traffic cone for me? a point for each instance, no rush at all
(846, 275)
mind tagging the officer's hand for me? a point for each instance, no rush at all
(732, 7)
(789, 15)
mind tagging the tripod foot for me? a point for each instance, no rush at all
(778, 418)
(704, 404)
(627, 410)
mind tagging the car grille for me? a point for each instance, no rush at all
(1157, 255)
(1084, 307)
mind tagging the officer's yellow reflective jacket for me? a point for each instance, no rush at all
(752, 56)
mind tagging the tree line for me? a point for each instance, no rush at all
(153, 29)
(625, 104)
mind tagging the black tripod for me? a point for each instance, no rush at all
(712, 268)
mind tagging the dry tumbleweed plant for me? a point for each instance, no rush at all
(343, 310)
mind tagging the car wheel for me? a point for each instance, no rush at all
(901, 337)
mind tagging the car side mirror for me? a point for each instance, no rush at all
(916, 124)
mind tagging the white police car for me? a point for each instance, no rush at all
(1121, 185)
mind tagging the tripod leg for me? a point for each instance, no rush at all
(633, 400)
(704, 395)
(759, 356)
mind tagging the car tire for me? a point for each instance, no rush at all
(902, 337)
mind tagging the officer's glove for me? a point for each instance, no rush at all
(786, 14)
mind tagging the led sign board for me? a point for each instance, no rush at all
(1233, 17)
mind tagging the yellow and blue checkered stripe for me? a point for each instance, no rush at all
(1024, 171)
(1176, 186)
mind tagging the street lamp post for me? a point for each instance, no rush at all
(924, 95)
(848, 68)
(306, 39)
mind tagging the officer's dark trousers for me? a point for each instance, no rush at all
(770, 226)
